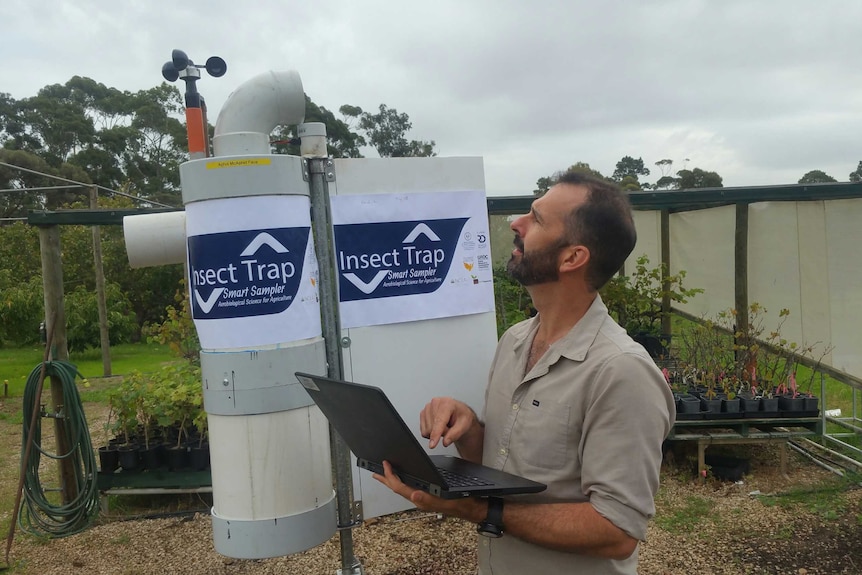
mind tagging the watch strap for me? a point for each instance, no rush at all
(492, 526)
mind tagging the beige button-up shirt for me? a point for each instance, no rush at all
(588, 420)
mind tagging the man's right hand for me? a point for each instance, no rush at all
(446, 418)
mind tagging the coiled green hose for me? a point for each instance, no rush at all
(38, 515)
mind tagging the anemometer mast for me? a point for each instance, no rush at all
(180, 67)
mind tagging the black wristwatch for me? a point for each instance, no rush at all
(492, 526)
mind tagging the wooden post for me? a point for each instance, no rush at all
(741, 270)
(52, 285)
(665, 273)
(104, 336)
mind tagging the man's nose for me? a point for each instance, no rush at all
(517, 223)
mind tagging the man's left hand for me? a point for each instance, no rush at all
(469, 508)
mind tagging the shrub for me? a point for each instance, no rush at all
(82, 318)
(21, 310)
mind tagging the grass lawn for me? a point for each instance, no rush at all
(17, 363)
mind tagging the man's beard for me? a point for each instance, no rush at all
(536, 267)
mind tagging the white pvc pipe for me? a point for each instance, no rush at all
(155, 239)
(254, 109)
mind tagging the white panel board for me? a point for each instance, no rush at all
(702, 244)
(814, 277)
(413, 362)
(773, 266)
(845, 278)
(648, 226)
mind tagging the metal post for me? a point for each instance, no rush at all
(321, 171)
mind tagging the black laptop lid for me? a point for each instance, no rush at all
(370, 425)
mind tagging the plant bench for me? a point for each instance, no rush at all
(744, 431)
(152, 483)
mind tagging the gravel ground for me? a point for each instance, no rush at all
(706, 527)
(741, 534)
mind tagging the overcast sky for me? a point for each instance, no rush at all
(759, 91)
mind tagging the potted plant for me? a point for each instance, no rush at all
(109, 458)
(178, 391)
(123, 402)
(635, 302)
(755, 365)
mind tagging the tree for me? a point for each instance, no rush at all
(665, 183)
(631, 168)
(665, 166)
(341, 140)
(697, 178)
(544, 184)
(17, 204)
(120, 139)
(816, 177)
(856, 175)
(630, 184)
(386, 131)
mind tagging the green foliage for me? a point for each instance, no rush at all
(512, 302)
(635, 300)
(697, 178)
(170, 397)
(178, 330)
(856, 175)
(147, 291)
(726, 354)
(816, 177)
(21, 309)
(387, 132)
(630, 168)
(545, 184)
(82, 318)
(341, 141)
(123, 399)
(85, 131)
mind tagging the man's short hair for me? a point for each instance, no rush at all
(603, 224)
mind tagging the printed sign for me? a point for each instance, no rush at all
(408, 257)
(252, 271)
(416, 259)
(244, 274)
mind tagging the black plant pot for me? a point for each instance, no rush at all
(153, 457)
(710, 405)
(129, 457)
(809, 402)
(790, 404)
(749, 406)
(199, 457)
(688, 404)
(178, 458)
(109, 459)
(730, 405)
(769, 406)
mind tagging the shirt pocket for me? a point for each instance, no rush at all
(543, 434)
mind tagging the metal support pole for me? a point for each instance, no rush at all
(321, 171)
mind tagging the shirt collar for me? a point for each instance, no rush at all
(575, 344)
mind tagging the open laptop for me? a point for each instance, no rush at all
(372, 428)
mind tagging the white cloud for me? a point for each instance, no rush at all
(759, 92)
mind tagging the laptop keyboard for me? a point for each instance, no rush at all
(457, 480)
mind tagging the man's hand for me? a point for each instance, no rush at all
(468, 508)
(447, 419)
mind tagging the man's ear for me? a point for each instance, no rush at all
(574, 258)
